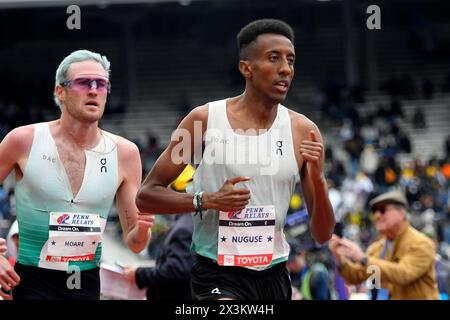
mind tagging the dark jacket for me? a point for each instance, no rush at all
(170, 278)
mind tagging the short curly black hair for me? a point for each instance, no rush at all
(251, 31)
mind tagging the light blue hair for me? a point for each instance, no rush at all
(78, 56)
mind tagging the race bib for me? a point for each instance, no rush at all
(246, 237)
(73, 236)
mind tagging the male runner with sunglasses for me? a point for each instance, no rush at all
(403, 256)
(68, 172)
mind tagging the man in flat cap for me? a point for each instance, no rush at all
(403, 256)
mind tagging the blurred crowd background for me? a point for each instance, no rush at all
(380, 97)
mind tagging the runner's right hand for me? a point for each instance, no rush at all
(229, 197)
(8, 278)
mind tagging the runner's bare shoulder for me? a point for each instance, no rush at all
(199, 113)
(126, 147)
(301, 124)
(19, 140)
(128, 155)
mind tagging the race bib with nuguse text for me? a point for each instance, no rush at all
(246, 237)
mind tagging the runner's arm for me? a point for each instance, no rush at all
(313, 183)
(13, 148)
(154, 196)
(136, 226)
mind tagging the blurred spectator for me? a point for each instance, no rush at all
(404, 143)
(336, 200)
(335, 171)
(369, 160)
(151, 152)
(5, 207)
(348, 110)
(347, 131)
(355, 190)
(387, 174)
(410, 182)
(331, 87)
(354, 147)
(309, 279)
(369, 132)
(418, 118)
(443, 276)
(442, 267)
(396, 109)
(404, 256)
(447, 147)
(445, 169)
(170, 278)
(389, 142)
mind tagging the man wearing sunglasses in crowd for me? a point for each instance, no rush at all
(403, 256)
(68, 172)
